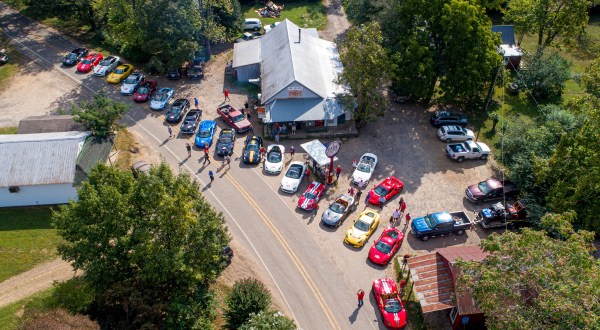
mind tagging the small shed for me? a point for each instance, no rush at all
(48, 124)
(508, 48)
(434, 276)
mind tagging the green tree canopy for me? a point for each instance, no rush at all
(247, 297)
(548, 19)
(590, 79)
(100, 115)
(149, 247)
(269, 320)
(365, 69)
(546, 74)
(531, 281)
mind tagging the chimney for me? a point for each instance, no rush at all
(299, 35)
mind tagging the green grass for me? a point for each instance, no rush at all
(305, 14)
(26, 239)
(8, 70)
(9, 314)
(8, 130)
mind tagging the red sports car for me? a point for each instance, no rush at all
(145, 90)
(389, 188)
(311, 196)
(89, 62)
(385, 246)
(234, 118)
(389, 303)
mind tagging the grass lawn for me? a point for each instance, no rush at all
(10, 314)
(8, 130)
(523, 107)
(8, 70)
(26, 239)
(305, 14)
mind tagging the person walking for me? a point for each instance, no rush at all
(293, 128)
(188, 147)
(395, 217)
(206, 148)
(361, 183)
(211, 175)
(402, 205)
(338, 170)
(251, 131)
(351, 191)
(354, 164)
(357, 198)
(407, 220)
(367, 199)
(226, 93)
(292, 151)
(196, 102)
(361, 295)
(245, 105)
(381, 202)
(307, 174)
(228, 160)
(262, 152)
(277, 138)
(170, 130)
(206, 158)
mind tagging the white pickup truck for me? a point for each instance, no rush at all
(467, 150)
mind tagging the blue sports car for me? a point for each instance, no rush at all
(205, 133)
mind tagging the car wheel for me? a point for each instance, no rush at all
(256, 28)
(448, 140)
(460, 232)
(425, 238)
(460, 159)
(483, 157)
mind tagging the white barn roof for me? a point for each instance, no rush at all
(246, 53)
(36, 159)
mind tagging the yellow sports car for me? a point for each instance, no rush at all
(119, 73)
(362, 228)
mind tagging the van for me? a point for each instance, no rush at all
(252, 24)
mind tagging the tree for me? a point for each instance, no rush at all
(269, 320)
(590, 79)
(546, 74)
(364, 11)
(100, 115)
(531, 281)
(149, 247)
(366, 69)
(248, 296)
(548, 19)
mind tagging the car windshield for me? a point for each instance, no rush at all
(429, 221)
(310, 195)
(72, 56)
(483, 187)
(204, 134)
(294, 172)
(364, 168)
(118, 71)
(175, 110)
(337, 208)
(142, 90)
(159, 97)
(105, 62)
(238, 118)
(381, 191)
(86, 61)
(382, 247)
(392, 234)
(225, 140)
(392, 306)
(130, 80)
(361, 225)
(252, 147)
(274, 157)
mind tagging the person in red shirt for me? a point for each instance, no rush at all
(402, 205)
(361, 296)
(262, 152)
(308, 174)
(338, 170)
(226, 93)
(407, 220)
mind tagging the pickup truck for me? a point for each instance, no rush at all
(440, 224)
(501, 216)
(467, 150)
(190, 122)
(491, 189)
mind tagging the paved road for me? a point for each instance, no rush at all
(317, 288)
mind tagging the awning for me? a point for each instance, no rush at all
(316, 150)
(303, 109)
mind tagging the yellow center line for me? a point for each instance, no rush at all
(289, 251)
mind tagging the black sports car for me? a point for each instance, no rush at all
(174, 74)
(225, 142)
(190, 122)
(252, 149)
(75, 56)
(441, 118)
(177, 110)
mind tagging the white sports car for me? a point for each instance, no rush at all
(274, 159)
(106, 65)
(160, 98)
(364, 169)
(131, 83)
(293, 176)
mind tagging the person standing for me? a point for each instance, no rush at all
(407, 220)
(381, 202)
(226, 93)
(357, 198)
(307, 174)
(338, 170)
(262, 152)
(206, 148)
(211, 175)
(246, 105)
(277, 138)
(228, 160)
(196, 102)
(293, 128)
(188, 147)
(361, 295)
(402, 205)
(170, 130)
(395, 217)
(206, 158)
(354, 164)
(292, 151)
(367, 199)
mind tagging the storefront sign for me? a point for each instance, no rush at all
(261, 112)
(295, 91)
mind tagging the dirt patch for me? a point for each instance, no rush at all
(337, 22)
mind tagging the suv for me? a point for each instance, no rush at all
(455, 133)
(440, 118)
(252, 24)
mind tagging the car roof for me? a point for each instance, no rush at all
(453, 128)
(207, 124)
(252, 20)
(367, 216)
(124, 66)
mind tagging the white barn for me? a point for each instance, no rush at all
(39, 169)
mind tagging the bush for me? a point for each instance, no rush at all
(247, 296)
(55, 319)
(546, 74)
(269, 320)
(74, 295)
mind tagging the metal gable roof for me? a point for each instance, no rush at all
(246, 53)
(507, 33)
(43, 158)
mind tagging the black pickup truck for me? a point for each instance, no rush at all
(440, 224)
(491, 189)
(501, 216)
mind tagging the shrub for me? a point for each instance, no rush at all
(247, 296)
(269, 320)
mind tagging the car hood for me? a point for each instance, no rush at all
(394, 320)
(373, 197)
(82, 66)
(200, 141)
(305, 203)
(378, 256)
(289, 182)
(273, 167)
(420, 225)
(157, 104)
(358, 175)
(251, 155)
(354, 234)
(127, 87)
(242, 124)
(220, 146)
(484, 147)
(68, 60)
(474, 190)
(100, 69)
(329, 217)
